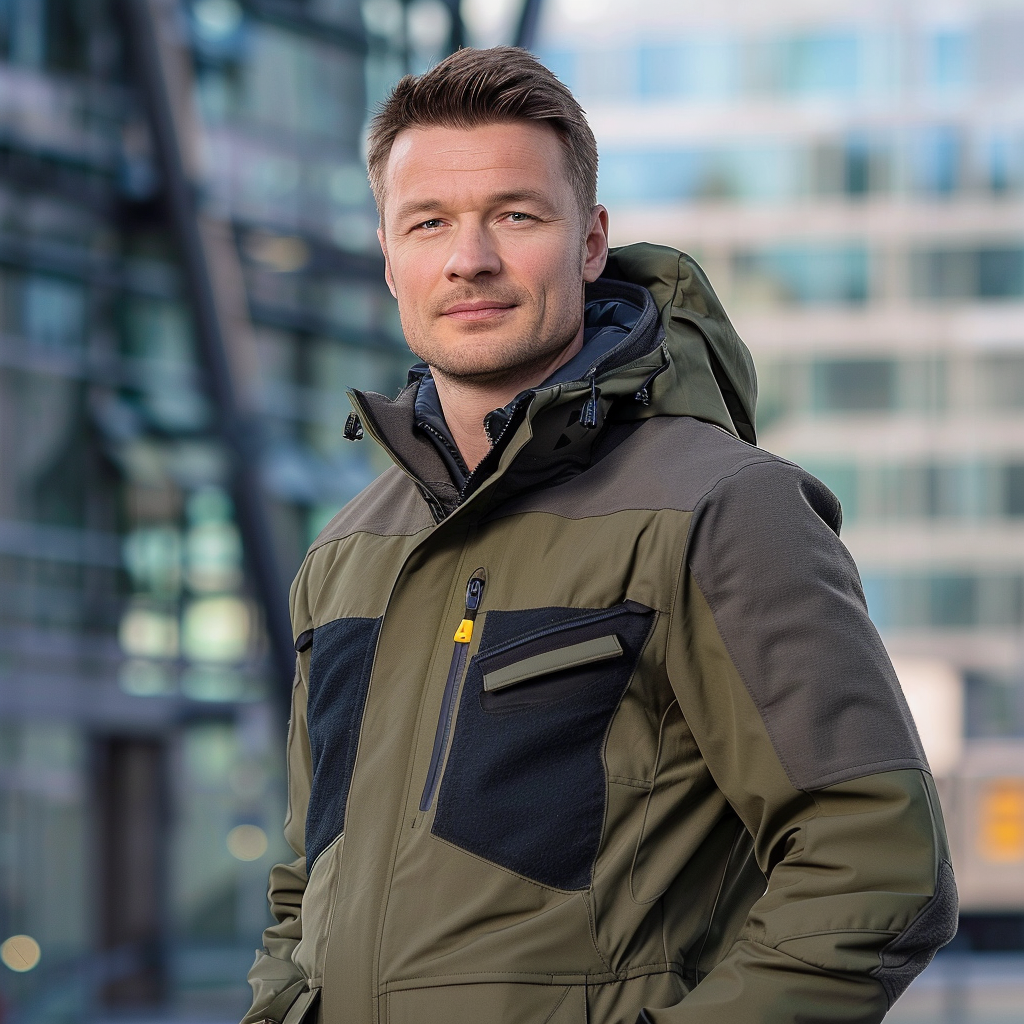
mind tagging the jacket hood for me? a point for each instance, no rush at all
(708, 373)
(658, 343)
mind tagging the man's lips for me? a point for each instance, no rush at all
(481, 310)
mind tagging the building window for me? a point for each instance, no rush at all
(804, 275)
(854, 385)
(993, 272)
(825, 64)
(1013, 490)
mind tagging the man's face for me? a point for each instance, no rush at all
(485, 250)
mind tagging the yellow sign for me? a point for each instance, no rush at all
(1001, 812)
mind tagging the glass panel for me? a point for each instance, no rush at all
(855, 385)
(798, 275)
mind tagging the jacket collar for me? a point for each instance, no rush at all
(538, 437)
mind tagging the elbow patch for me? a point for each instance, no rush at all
(907, 955)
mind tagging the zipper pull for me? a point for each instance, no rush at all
(588, 417)
(474, 592)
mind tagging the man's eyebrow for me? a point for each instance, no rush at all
(513, 196)
(417, 206)
(526, 195)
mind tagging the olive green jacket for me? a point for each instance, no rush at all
(603, 733)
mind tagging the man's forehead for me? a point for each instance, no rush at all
(515, 146)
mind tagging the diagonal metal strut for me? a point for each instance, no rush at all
(216, 293)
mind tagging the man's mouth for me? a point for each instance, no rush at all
(484, 309)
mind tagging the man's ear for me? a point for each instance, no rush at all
(387, 262)
(595, 251)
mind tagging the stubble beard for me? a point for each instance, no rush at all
(497, 361)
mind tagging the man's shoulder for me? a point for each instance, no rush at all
(390, 506)
(665, 463)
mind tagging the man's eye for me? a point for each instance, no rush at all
(432, 223)
(518, 218)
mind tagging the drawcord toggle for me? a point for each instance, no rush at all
(353, 428)
(643, 396)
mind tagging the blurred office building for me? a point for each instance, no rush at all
(189, 280)
(851, 176)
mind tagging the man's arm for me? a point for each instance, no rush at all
(792, 699)
(276, 982)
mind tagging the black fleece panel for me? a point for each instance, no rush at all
(525, 783)
(788, 604)
(903, 959)
(339, 675)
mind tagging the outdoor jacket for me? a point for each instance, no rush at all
(600, 732)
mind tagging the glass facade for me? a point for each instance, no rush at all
(852, 180)
(141, 788)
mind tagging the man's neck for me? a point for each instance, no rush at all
(465, 402)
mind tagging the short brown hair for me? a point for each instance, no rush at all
(472, 88)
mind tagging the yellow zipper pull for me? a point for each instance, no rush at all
(474, 591)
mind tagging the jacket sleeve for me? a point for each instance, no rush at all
(275, 980)
(800, 719)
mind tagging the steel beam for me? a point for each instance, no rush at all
(216, 293)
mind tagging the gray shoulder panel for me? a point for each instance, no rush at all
(788, 603)
(667, 462)
(389, 507)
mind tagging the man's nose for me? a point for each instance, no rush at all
(474, 253)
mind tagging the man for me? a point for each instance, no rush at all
(590, 722)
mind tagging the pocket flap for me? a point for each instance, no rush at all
(600, 649)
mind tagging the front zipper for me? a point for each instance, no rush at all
(463, 636)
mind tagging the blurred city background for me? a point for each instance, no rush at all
(190, 279)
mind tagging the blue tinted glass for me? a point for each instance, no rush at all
(765, 172)
(808, 275)
(953, 600)
(650, 177)
(708, 68)
(754, 173)
(937, 159)
(949, 62)
(609, 75)
(562, 63)
(823, 64)
(659, 71)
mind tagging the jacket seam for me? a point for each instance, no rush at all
(833, 931)
(625, 780)
(647, 809)
(593, 930)
(507, 871)
(554, 977)
(832, 971)
(768, 728)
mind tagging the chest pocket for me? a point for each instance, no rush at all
(524, 785)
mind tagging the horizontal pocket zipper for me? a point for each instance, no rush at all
(585, 619)
(463, 636)
(602, 648)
